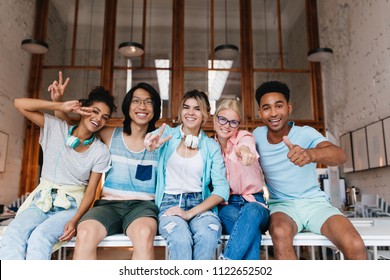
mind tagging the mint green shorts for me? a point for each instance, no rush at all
(308, 213)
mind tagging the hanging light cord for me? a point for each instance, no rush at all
(266, 37)
(226, 23)
(150, 28)
(132, 20)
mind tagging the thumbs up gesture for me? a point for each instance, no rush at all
(297, 154)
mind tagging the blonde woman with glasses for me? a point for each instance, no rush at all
(245, 216)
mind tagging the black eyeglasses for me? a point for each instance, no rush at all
(232, 123)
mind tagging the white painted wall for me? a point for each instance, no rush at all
(357, 79)
(16, 24)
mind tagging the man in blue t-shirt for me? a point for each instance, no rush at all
(288, 156)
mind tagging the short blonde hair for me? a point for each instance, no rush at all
(230, 104)
(203, 101)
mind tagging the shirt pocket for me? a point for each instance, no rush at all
(144, 172)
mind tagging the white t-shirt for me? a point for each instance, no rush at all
(184, 175)
(62, 164)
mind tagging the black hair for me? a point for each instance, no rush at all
(127, 102)
(272, 86)
(99, 94)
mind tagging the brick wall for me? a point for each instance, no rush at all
(16, 24)
(357, 79)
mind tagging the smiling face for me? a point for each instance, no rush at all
(191, 116)
(225, 131)
(98, 118)
(274, 110)
(141, 107)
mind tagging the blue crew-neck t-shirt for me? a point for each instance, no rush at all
(284, 179)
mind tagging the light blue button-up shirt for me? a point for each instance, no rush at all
(214, 179)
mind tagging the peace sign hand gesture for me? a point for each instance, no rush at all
(57, 89)
(154, 141)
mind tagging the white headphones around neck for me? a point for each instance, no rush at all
(190, 141)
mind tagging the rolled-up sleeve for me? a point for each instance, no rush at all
(218, 173)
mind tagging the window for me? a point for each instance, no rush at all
(279, 50)
(179, 38)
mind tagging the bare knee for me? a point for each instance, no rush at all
(282, 229)
(90, 232)
(83, 232)
(342, 233)
(143, 232)
(356, 249)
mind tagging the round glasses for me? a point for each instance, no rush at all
(232, 123)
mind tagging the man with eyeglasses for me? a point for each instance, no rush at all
(289, 155)
(127, 203)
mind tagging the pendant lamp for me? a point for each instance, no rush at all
(34, 46)
(319, 54)
(131, 48)
(226, 51)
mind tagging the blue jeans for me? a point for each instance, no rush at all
(195, 239)
(244, 221)
(32, 234)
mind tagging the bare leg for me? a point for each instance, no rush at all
(89, 235)
(142, 232)
(282, 230)
(342, 233)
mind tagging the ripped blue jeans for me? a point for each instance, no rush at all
(195, 239)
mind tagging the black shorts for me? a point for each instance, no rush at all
(117, 215)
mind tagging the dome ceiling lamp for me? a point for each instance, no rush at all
(34, 46)
(131, 48)
(320, 54)
(226, 51)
